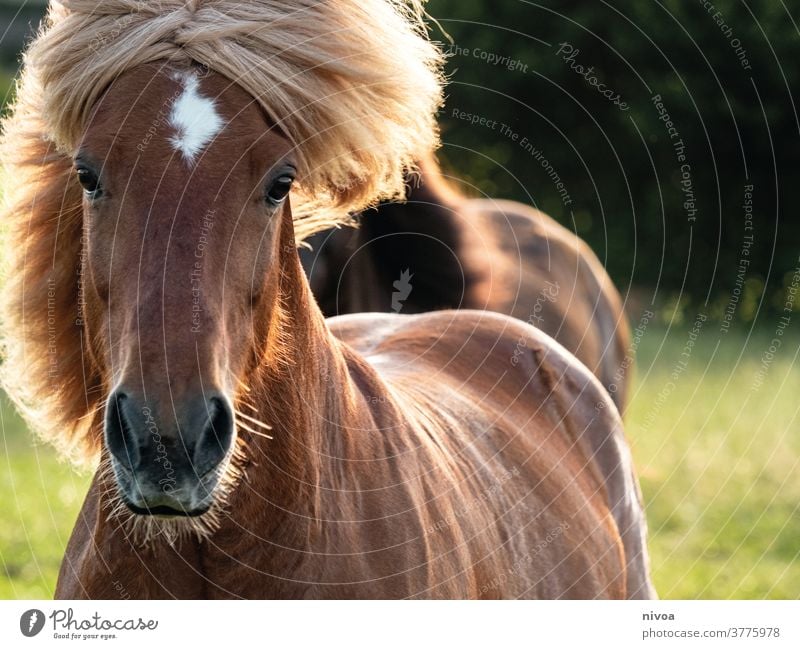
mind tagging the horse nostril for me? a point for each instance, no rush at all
(120, 436)
(215, 440)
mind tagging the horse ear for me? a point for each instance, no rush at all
(45, 369)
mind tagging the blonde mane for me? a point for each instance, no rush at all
(354, 84)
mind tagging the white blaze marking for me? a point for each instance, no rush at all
(194, 118)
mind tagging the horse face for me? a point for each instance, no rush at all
(185, 188)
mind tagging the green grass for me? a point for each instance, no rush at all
(40, 500)
(719, 465)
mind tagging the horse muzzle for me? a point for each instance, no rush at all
(169, 466)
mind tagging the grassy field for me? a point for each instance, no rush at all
(41, 499)
(718, 454)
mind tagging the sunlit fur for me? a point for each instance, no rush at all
(329, 74)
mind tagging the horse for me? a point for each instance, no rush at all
(165, 164)
(444, 250)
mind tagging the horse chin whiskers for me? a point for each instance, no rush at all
(143, 530)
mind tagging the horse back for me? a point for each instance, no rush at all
(491, 396)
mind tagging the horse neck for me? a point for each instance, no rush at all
(305, 400)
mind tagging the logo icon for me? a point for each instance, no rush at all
(31, 622)
(402, 290)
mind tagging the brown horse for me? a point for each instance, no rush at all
(248, 447)
(441, 250)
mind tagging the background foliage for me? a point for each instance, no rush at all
(619, 167)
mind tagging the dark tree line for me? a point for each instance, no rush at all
(664, 132)
(672, 125)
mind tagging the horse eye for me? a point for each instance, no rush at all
(279, 190)
(89, 181)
